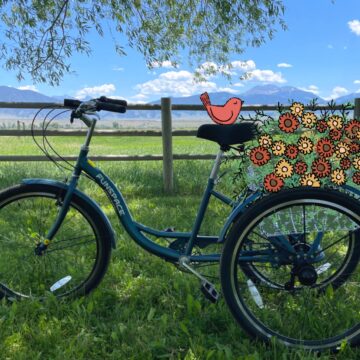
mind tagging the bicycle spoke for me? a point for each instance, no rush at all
(69, 246)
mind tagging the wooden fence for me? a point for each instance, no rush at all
(166, 133)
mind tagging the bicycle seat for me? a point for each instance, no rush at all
(226, 135)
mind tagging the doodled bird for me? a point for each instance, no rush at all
(222, 114)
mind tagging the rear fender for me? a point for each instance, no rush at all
(90, 202)
(240, 209)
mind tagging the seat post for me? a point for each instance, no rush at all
(217, 163)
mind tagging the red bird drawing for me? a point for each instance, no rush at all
(222, 114)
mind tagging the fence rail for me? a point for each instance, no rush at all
(166, 133)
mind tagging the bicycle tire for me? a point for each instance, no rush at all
(296, 317)
(74, 262)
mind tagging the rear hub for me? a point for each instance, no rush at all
(307, 274)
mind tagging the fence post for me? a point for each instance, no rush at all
(166, 128)
(357, 109)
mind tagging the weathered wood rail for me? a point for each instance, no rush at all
(166, 133)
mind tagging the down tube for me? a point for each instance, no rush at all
(123, 213)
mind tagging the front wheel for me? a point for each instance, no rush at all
(308, 298)
(74, 262)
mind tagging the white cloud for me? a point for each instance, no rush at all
(354, 26)
(174, 83)
(284, 65)
(337, 91)
(177, 75)
(182, 83)
(311, 88)
(95, 91)
(118, 68)
(330, 46)
(229, 90)
(164, 64)
(231, 69)
(209, 69)
(239, 68)
(243, 65)
(139, 97)
(266, 76)
(357, 82)
(28, 87)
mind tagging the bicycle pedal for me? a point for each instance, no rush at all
(209, 291)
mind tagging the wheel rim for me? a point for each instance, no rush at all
(308, 315)
(66, 264)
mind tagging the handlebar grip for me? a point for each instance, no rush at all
(104, 99)
(71, 103)
(110, 107)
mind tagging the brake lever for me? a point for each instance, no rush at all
(72, 116)
(85, 107)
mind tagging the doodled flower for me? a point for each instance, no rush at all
(265, 140)
(356, 162)
(288, 122)
(309, 180)
(356, 177)
(308, 119)
(335, 134)
(325, 147)
(273, 183)
(352, 128)
(260, 155)
(321, 126)
(300, 167)
(342, 150)
(321, 167)
(305, 145)
(354, 147)
(291, 151)
(283, 169)
(335, 122)
(345, 163)
(278, 148)
(297, 108)
(338, 177)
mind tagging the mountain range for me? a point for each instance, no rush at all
(258, 95)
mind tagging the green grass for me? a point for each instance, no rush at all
(105, 145)
(145, 308)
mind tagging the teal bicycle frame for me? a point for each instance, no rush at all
(137, 231)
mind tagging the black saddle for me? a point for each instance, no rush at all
(226, 135)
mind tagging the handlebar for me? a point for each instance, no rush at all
(102, 103)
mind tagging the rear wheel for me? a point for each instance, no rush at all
(75, 260)
(306, 298)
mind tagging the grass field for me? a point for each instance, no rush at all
(145, 308)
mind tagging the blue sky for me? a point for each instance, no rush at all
(319, 52)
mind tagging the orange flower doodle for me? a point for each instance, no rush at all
(288, 123)
(260, 155)
(273, 183)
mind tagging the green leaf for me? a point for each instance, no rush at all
(151, 314)
(90, 307)
(184, 328)
(329, 292)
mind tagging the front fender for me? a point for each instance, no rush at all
(90, 202)
(239, 209)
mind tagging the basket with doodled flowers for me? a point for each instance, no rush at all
(304, 148)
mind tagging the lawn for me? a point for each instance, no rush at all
(145, 308)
